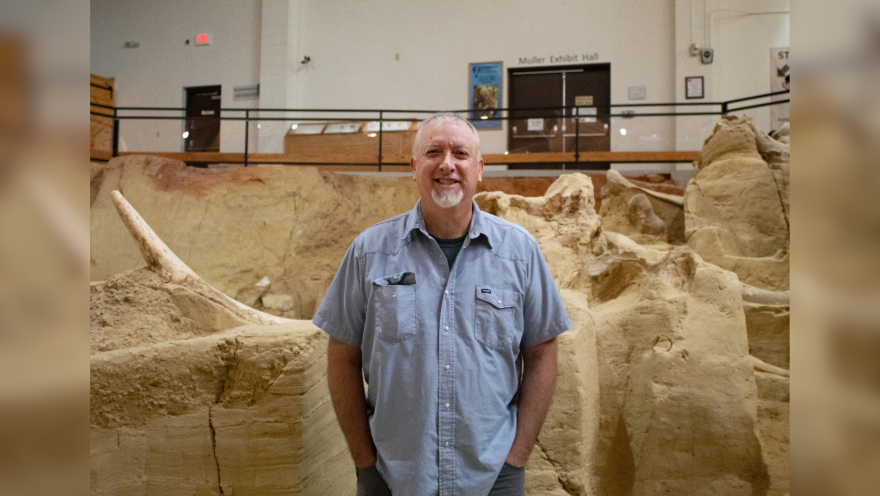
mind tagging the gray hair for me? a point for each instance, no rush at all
(440, 118)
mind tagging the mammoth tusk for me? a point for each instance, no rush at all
(751, 294)
(161, 260)
(762, 366)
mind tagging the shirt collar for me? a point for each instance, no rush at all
(415, 221)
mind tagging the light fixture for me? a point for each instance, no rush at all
(185, 134)
(258, 125)
(293, 126)
(623, 131)
(506, 152)
(372, 135)
(484, 117)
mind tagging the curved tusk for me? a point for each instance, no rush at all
(751, 294)
(161, 260)
(762, 366)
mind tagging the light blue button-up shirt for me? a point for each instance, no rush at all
(441, 348)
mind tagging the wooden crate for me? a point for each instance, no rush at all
(101, 91)
(355, 147)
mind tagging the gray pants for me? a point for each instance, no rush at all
(371, 483)
(511, 481)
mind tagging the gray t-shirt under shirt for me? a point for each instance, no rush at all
(450, 248)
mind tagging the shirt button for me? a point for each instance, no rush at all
(394, 295)
(446, 328)
(446, 405)
(446, 292)
(446, 443)
(447, 367)
(499, 302)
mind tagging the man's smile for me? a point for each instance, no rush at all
(445, 181)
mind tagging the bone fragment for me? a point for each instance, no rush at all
(161, 260)
(762, 366)
(669, 198)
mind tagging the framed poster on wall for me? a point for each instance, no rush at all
(484, 94)
(693, 87)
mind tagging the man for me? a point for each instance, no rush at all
(437, 309)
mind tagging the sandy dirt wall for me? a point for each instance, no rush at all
(656, 391)
(236, 226)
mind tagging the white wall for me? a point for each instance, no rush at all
(744, 32)
(353, 44)
(156, 73)
(741, 32)
(414, 55)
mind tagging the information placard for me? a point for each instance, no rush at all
(484, 94)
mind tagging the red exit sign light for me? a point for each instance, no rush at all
(202, 39)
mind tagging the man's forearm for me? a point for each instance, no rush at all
(345, 379)
(538, 385)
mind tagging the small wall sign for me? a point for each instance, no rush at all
(693, 87)
(246, 92)
(780, 80)
(569, 58)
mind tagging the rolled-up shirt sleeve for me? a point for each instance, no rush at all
(544, 315)
(342, 312)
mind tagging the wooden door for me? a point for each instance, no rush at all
(535, 100)
(202, 119)
(587, 85)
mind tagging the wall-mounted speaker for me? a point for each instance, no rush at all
(706, 55)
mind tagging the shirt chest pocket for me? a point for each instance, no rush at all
(394, 306)
(498, 316)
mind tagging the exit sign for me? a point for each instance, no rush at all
(202, 39)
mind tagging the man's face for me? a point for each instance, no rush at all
(446, 168)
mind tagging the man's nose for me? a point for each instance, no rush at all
(448, 164)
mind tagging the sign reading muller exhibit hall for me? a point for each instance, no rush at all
(556, 59)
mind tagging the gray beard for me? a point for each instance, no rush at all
(447, 199)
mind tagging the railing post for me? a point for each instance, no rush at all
(723, 108)
(115, 134)
(577, 135)
(380, 140)
(247, 128)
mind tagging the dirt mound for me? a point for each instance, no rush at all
(737, 204)
(644, 215)
(666, 335)
(136, 309)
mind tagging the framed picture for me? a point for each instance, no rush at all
(693, 87)
(484, 94)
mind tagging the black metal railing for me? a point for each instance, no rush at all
(122, 113)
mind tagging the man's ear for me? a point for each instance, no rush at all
(480, 177)
(412, 165)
